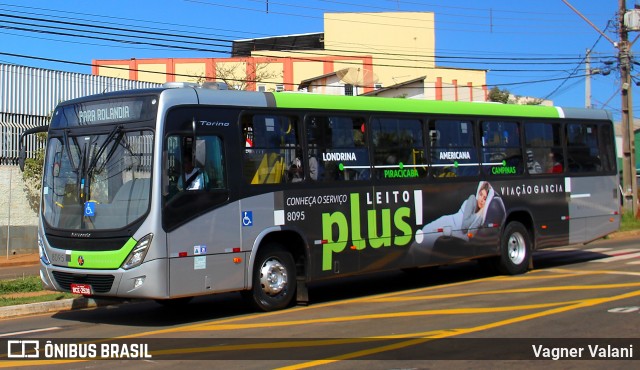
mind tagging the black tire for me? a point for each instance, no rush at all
(274, 279)
(515, 249)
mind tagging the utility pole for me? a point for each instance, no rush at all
(629, 184)
(587, 82)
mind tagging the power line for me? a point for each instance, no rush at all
(128, 28)
(579, 64)
(454, 59)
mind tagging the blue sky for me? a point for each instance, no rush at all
(531, 48)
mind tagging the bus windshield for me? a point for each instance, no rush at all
(97, 181)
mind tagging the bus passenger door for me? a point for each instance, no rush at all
(200, 208)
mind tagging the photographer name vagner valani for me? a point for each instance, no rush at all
(591, 351)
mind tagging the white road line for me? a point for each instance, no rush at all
(619, 257)
(30, 331)
(618, 252)
(599, 249)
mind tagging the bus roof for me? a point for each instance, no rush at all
(362, 103)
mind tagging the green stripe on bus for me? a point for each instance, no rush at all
(364, 103)
(103, 259)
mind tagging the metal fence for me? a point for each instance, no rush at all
(11, 127)
(28, 95)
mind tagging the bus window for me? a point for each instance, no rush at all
(398, 148)
(501, 151)
(583, 148)
(607, 146)
(338, 148)
(453, 153)
(184, 175)
(272, 149)
(543, 148)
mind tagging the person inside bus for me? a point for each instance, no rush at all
(533, 166)
(193, 176)
(296, 173)
(469, 217)
(554, 163)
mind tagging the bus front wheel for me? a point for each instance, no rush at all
(515, 249)
(274, 279)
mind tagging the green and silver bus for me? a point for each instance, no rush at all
(189, 190)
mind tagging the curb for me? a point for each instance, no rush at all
(56, 306)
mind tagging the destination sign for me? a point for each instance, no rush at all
(111, 113)
(105, 111)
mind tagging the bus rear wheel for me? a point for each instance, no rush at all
(515, 249)
(274, 279)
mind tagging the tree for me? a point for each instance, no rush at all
(505, 97)
(32, 174)
(235, 74)
(500, 96)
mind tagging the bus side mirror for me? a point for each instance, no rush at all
(23, 154)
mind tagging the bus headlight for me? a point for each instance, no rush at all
(138, 253)
(43, 254)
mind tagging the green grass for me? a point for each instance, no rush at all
(21, 285)
(27, 284)
(629, 222)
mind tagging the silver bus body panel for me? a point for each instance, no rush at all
(205, 247)
(232, 98)
(592, 204)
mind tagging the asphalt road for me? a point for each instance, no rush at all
(18, 271)
(575, 301)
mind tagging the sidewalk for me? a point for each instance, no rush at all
(25, 259)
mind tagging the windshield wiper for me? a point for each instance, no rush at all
(115, 145)
(103, 147)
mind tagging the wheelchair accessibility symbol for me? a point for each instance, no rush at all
(89, 209)
(247, 218)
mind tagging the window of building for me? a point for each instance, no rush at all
(398, 148)
(453, 153)
(272, 152)
(337, 148)
(501, 150)
(348, 89)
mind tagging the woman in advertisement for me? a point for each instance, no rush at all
(467, 220)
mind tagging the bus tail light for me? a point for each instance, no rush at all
(138, 253)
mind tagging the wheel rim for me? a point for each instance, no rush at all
(273, 277)
(516, 248)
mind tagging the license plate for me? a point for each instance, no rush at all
(84, 289)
